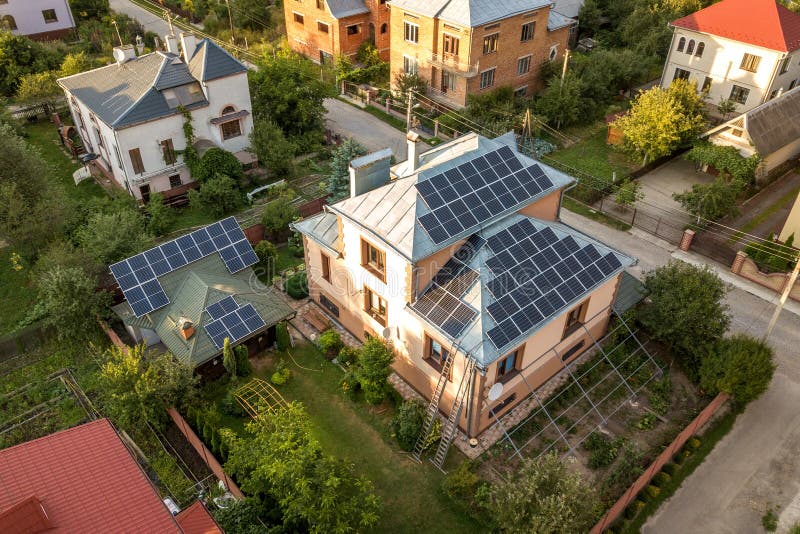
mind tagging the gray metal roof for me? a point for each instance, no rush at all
(346, 8)
(774, 124)
(470, 13)
(556, 20)
(210, 62)
(127, 94)
(630, 293)
(391, 212)
(322, 228)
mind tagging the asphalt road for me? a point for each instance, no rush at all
(151, 22)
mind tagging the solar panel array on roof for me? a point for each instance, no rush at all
(472, 193)
(234, 325)
(138, 275)
(536, 274)
(441, 304)
(222, 307)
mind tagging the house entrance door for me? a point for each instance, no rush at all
(144, 190)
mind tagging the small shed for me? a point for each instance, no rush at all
(614, 134)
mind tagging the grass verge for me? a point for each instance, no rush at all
(17, 294)
(582, 209)
(593, 156)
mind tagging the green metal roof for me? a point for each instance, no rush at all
(630, 293)
(191, 290)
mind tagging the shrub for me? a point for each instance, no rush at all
(349, 384)
(216, 161)
(652, 491)
(297, 286)
(407, 423)
(661, 478)
(282, 337)
(218, 196)
(281, 375)
(711, 201)
(770, 520)
(773, 256)
(230, 406)
(633, 509)
(267, 253)
(373, 368)
(159, 215)
(671, 469)
(694, 443)
(330, 342)
(243, 365)
(461, 484)
(434, 436)
(741, 366)
(277, 215)
(347, 355)
(604, 450)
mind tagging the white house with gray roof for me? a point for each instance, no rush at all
(131, 113)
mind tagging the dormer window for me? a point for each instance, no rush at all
(183, 95)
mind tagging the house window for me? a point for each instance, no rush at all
(118, 156)
(411, 32)
(435, 354)
(299, 18)
(681, 74)
(320, 4)
(373, 259)
(329, 305)
(553, 52)
(706, 85)
(136, 160)
(690, 47)
(410, 65)
(575, 318)
(353, 29)
(700, 49)
(681, 44)
(504, 404)
(326, 266)
(523, 65)
(175, 181)
(573, 350)
(507, 365)
(49, 15)
(375, 306)
(487, 78)
(384, 28)
(522, 92)
(230, 129)
(450, 45)
(490, 43)
(750, 62)
(8, 23)
(784, 66)
(448, 81)
(527, 31)
(168, 152)
(792, 84)
(739, 94)
(322, 27)
(773, 94)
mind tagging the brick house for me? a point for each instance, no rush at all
(323, 29)
(464, 47)
(458, 258)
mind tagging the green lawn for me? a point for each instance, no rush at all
(592, 156)
(410, 492)
(16, 294)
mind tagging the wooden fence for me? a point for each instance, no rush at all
(663, 459)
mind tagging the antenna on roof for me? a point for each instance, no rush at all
(114, 22)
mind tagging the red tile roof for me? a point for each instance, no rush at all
(86, 481)
(757, 22)
(25, 517)
(197, 520)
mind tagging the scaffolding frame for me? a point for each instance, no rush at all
(258, 394)
(576, 378)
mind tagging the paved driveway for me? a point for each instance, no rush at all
(373, 133)
(151, 22)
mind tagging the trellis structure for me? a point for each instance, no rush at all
(620, 369)
(257, 395)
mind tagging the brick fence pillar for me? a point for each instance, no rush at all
(388, 105)
(686, 240)
(436, 128)
(738, 261)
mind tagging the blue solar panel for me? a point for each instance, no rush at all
(234, 325)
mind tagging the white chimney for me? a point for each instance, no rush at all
(172, 43)
(189, 45)
(413, 156)
(124, 53)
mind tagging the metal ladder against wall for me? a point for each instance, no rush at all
(451, 425)
(433, 406)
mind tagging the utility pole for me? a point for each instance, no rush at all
(784, 297)
(564, 67)
(116, 27)
(230, 20)
(168, 14)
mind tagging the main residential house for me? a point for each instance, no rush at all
(85, 479)
(324, 29)
(131, 113)
(458, 258)
(742, 50)
(465, 47)
(193, 292)
(44, 20)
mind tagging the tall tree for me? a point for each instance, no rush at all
(229, 358)
(741, 366)
(561, 102)
(272, 149)
(110, 237)
(373, 368)
(69, 302)
(339, 181)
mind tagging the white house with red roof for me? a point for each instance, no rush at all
(747, 51)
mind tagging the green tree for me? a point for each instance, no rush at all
(629, 192)
(373, 369)
(243, 366)
(218, 196)
(69, 302)
(711, 201)
(408, 84)
(726, 106)
(272, 149)
(686, 310)
(661, 120)
(229, 358)
(267, 257)
(137, 387)
(590, 16)
(561, 103)
(741, 366)
(727, 160)
(75, 64)
(216, 161)
(159, 215)
(252, 14)
(339, 180)
(89, 9)
(544, 496)
(407, 423)
(38, 87)
(281, 458)
(114, 236)
(278, 213)
(19, 56)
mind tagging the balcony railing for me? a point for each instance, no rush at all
(454, 64)
(144, 177)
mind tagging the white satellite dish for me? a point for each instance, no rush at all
(387, 333)
(495, 391)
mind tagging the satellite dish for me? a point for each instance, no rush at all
(387, 333)
(119, 55)
(495, 391)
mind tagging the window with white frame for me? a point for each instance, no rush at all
(410, 65)
(411, 32)
(487, 78)
(523, 65)
(739, 94)
(527, 31)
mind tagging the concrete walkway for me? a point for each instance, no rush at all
(757, 464)
(349, 121)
